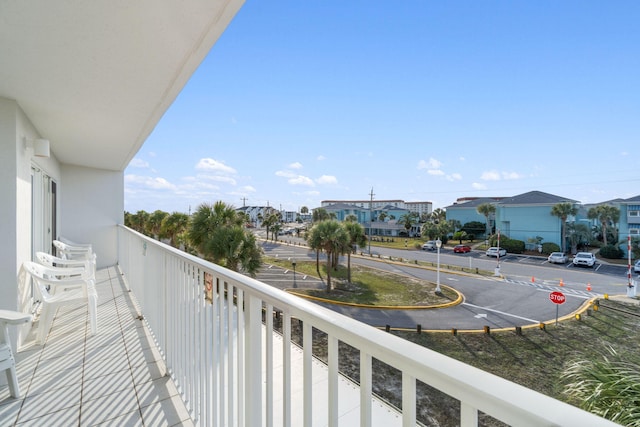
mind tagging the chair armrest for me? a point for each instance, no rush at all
(14, 317)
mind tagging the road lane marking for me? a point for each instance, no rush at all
(500, 312)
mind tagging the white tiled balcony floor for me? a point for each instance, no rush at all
(115, 377)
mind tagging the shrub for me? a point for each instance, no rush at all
(511, 245)
(549, 247)
(611, 252)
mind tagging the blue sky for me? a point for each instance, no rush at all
(304, 101)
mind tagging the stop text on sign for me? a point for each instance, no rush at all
(557, 297)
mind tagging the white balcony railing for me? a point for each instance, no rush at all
(217, 353)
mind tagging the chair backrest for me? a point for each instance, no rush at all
(67, 251)
(53, 261)
(46, 275)
(75, 244)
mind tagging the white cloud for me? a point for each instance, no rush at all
(148, 182)
(497, 176)
(247, 189)
(285, 174)
(295, 165)
(435, 172)
(209, 164)
(430, 164)
(301, 180)
(327, 179)
(138, 163)
(511, 175)
(321, 158)
(478, 186)
(218, 178)
(490, 176)
(454, 177)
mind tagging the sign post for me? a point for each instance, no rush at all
(557, 298)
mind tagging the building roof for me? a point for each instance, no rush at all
(535, 198)
(475, 202)
(632, 199)
(94, 77)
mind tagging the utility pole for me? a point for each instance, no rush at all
(244, 199)
(370, 218)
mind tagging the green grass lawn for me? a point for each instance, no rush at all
(370, 286)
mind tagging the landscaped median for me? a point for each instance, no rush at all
(371, 288)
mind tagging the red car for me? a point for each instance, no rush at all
(461, 249)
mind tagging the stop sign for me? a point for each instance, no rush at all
(557, 297)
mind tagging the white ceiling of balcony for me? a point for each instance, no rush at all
(95, 77)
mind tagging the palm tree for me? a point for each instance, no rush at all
(304, 210)
(382, 216)
(607, 216)
(351, 218)
(356, 237)
(331, 237)
(487, 209)
(154, 223)
(313, 240)
(235, 248)
(173, 227)
(139, 221)
(320, 214)
(577, 233)
(607, 387)
(206, 219)
(407, 220)
(563, 211)
(269, 222)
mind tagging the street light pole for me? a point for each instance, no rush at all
(438, 246)
(294, 274)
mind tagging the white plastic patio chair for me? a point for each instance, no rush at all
(75, 244)
(67, 251)
(54, 261)
(62, 286)
(7, 361)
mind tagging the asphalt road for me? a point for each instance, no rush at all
(520, 297)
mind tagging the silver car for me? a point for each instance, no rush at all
(636, 267)
(557, 258)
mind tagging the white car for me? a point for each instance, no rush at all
(429, 246)
(557, 258)
(584, 258)
(495, 252)
(636, 267)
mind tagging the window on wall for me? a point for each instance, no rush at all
(634, 213)
(43, 211)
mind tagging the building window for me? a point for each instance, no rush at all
(634, 213)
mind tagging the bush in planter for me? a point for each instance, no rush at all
(549, 247)
(511, 245)
(611, 252)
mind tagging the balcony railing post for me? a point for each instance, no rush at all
(253, 370)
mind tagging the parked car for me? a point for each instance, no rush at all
(636, 267)
(495, 252)
(461, 249)
(429, 246)
(584, 258)
(557, 258)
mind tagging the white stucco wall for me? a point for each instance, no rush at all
(91, 205)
